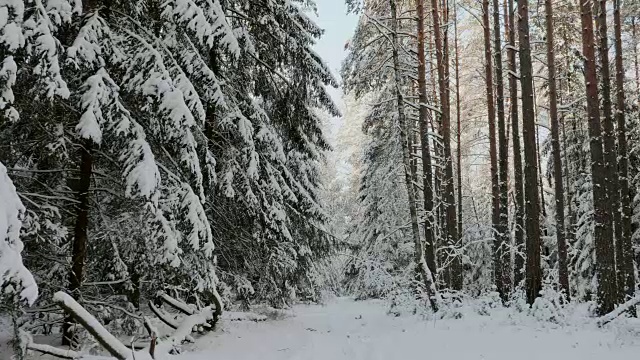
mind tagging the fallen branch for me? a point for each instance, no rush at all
(164, 317)
(607, 318)
(54, 351)
(93, 326)
(183, 332)
(176, 304)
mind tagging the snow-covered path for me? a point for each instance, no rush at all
(345, 329)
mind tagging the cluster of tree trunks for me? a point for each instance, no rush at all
(608, 151)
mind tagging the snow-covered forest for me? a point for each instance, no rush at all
(179, 180)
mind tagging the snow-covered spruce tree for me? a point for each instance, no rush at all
(17, 285)
(140, 129)
(16, 282)
(268, 145)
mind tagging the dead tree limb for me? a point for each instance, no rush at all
(164, 317)
(93, 326)
(176, 304)
(607, 318)
(54, 351)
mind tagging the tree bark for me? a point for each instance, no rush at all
(557, 159)
(517, 156)
(610, 161)
(495, 188)
(625, 262)
(427, 171)
(458, 264)
(605, 269)
(634, 36)
(503, 277)
(445, 119)
(420, 262)
(80, 237)
(533, 270)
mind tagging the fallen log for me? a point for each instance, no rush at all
(54, 351)
(607, 318)
(93, 326)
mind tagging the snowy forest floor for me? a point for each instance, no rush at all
(364, 330)
(359, 330)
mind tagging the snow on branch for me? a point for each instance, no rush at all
(164, 317)
(208, 24)
(54, 351)
(43, 46)
(14, 276)
(605, 319)
(93, 326)
(183, 332)
(103, 110)
(176, 304)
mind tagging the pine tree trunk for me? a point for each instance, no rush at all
(605, 269)
(532, 223)
(610, 161)
(557, 160)
(427, 172)
(421, 265)
(517, 156)
(503, 156)
(458, 262)
(625, 261)
(445, 119)
(634, 37)
(495, 187)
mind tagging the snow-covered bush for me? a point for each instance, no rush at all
(16, 282)
(549, 306)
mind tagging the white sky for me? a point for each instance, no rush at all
(339, 27)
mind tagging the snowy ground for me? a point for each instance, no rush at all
(345, 329)
(348, 330)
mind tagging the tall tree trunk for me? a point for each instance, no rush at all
(80, 230)
(634, 37)
(610, 161)
(421, 265)
(502, 235)
(458, 261)
(517, 156)
(495, 188)
(625, 261)
(533, 270)
(80, 236)
(427, 172)
(605, 269)
(557, 160)
(451, 230)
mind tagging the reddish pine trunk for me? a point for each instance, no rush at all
(610, 161)
(605, 269)
(533, 270)
(557, 160)
(445, 119)
(458, 265)
(517, 156)
(503, 276)
(495, 188)
(626, 276)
